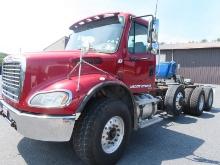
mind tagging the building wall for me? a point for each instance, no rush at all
(58, 45)
(201, 65)
(161, 58)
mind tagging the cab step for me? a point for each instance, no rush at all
(148, 122)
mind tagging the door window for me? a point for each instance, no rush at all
(137, 40)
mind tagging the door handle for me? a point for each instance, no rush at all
(145, 58)
(139, 59)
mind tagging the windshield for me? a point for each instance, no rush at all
(103, 35)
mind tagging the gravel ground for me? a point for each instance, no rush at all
(187, 140)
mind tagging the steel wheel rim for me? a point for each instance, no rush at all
(201, 102)
(112, 135)
(210, 99)
(178, 99)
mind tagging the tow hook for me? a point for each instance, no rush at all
(13, 124)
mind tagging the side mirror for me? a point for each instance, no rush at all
(155, 30)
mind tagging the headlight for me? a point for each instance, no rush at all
(51, 99)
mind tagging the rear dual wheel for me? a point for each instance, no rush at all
(208, 98)
(174, 100)
(189, 100)
(188, 93)
(197, 101)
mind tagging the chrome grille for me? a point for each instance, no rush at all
(12, 78)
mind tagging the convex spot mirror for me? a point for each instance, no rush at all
(155, 47)
(86, 44)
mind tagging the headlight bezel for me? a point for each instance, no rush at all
(68, 101)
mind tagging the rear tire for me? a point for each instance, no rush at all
(208, 98)
(100, 120)
(197, 101)
(174, 100)
(188, 93)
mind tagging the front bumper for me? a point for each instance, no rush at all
(39, 127)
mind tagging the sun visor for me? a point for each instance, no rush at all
(94, 22)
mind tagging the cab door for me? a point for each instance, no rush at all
(139, 63)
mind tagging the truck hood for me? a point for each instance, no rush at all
(44, 68)
(49, 70)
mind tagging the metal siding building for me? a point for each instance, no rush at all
(198, 61)
(58, 45)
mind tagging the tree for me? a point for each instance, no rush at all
(204, 40)
(2, 55)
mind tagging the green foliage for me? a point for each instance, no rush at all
(2, 55)
(204, 41)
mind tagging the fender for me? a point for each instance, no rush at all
(99, 86)
(89, 85)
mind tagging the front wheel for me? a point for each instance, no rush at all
(101, 134)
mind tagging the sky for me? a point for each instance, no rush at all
(32, 25)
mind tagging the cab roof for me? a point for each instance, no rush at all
(96, 18)
(78, 24)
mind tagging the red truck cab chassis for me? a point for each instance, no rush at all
(102, 86)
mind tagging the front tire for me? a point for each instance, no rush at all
(101, 134)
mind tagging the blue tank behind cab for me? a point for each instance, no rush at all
(166, 70)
